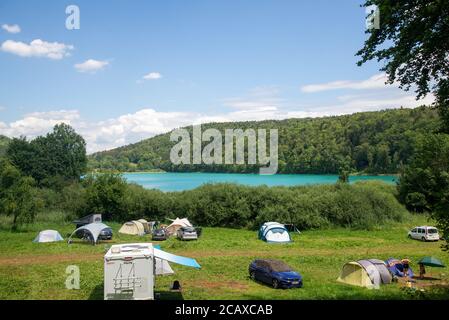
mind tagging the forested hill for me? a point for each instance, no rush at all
(4, 141)
(370, 142)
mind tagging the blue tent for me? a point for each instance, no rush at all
(274, 232)
(396, 268)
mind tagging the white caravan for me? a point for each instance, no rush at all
(130, 269)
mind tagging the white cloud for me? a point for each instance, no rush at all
(375, 82)
(13, 28)
(91, 66)
(37, 48)
(147, 122)
(152, 76)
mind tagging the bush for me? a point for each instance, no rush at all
(362, 205)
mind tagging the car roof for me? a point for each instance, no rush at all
(425, 227)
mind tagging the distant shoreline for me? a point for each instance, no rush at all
(357, 174)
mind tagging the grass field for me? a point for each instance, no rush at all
(37, 271)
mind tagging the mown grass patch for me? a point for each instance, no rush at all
(37, 271)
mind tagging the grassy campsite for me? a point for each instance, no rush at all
(37, 270)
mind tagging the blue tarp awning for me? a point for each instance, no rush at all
(189, 262)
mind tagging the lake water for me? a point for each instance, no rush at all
(174, 181)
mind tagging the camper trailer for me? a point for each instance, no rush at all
(130, 270)
(91, 218)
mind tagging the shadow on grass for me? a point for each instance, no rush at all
(168, 295)
(98, 294)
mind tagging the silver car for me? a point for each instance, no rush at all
(187, 233)
(424, 233)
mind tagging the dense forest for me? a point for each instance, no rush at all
(368, 142)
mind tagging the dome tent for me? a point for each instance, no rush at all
(274, 232)
(133, 228)
(146, 225)
(368, 273)
(48, 236)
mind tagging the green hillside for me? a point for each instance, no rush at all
(4, 141)
(369, 142)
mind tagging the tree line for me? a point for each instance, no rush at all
(368, 142)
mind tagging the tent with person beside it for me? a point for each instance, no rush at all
(274, 232)
(368, 273)
(399, 268)
(133, 228)
(48, 236)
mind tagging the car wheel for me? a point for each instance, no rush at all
(423, 239)
(275, 283)
(409, 236)
(252, 275)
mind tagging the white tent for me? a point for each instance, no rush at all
(132, 228)
(177, 224)
(274, 232)
(93, 231)
(163, 267)
(48, 236)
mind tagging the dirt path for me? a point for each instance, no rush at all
(83, 257)
(50, 258)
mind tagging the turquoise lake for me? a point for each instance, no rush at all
(174, 181)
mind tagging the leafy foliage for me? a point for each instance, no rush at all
(413, 43)
(52, 160)
(4, 141)
(360, 206)
(424, 185)
(18, 197)
(371, 142)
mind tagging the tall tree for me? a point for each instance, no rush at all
(52, 159)
(413, 42)
(17, 195)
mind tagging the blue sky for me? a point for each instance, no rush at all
(138, 68)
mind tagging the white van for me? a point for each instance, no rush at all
(424, 233)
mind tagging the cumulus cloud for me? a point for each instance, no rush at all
(152, 76)
(13, 28)
(375, 82)
(91, 66)
(38, 123)
(259, 104)
(37, 48)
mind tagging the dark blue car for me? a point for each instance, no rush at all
(275, 273)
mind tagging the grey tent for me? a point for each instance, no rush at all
(369, 273)
(90, 231)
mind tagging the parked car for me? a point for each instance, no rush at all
(187, 233)
(105, 234)
(424, 233)
(275, 273)
(159, 235)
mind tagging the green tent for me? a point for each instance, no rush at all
(431, 262)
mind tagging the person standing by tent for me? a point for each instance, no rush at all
(422, 271)
(406, 267)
